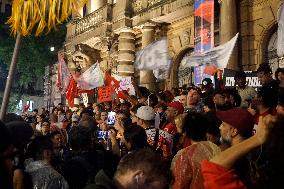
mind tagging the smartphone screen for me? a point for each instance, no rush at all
(103, 134)
(111, 118)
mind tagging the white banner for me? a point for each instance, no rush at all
(280, 31)
(217, 56)
(126, 85)
(91, 78)
(154, 57)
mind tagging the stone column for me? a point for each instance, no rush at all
(2, 10)
(96, 4)
(126, 52)
(228, 29)
(147, 78)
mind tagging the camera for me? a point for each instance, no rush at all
(103, 135)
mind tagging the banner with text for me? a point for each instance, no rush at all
(218, 56)
(154, 57)
(280, 31)
(105, 94)
(251, 78)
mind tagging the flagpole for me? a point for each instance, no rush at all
(10, 77)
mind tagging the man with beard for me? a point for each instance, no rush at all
(237, 125)
(220, 103)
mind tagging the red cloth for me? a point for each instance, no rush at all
(166, 145)
(272, 112)
(210, 70)
(216, 177)
(71, 92)
(170, 128)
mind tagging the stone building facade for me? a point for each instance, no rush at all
(111, 32)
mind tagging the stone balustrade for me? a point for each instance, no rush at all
(93, 20)
(139, 6)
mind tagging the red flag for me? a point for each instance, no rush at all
(111, 81)
(210, 70)
(71, 92)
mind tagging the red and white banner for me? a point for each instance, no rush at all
(91, 78)
(64, 76)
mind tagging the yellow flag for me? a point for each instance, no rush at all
(40, 16)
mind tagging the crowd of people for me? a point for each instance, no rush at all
(198, 137)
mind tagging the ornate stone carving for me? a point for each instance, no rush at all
(137, 5)
(185, 38)
(85, 56)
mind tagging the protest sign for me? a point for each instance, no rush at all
(104, 94)
(251, 78)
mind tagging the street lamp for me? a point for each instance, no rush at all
(51, 49)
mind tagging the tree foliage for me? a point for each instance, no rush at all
(34, 52)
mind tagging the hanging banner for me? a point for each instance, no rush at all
(126, 85)
(280, 31)
(218, 56)
(203, 33)
(155, 57)
(251, 78)
(63, 75)
(91, 78)
(203, 25)
(104, 94)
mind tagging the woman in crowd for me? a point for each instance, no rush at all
(186, 165)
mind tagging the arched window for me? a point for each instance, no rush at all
(271, 52)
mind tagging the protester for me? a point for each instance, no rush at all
(186, 165)
(232, 98)
(38, 168)
(265, 102)
(219, 172)
(174, 109)
(142, 169)
(207, 87)
(183, 98)
(237, 125)
(45, 128)
(264, 74)
(135, 138)
(7, 155)
(246, 93)
(194, 100)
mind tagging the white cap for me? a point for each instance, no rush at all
(146, 113)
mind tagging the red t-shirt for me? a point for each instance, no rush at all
(216, 177)
(170, 128)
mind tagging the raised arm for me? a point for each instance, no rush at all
(228, 157)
